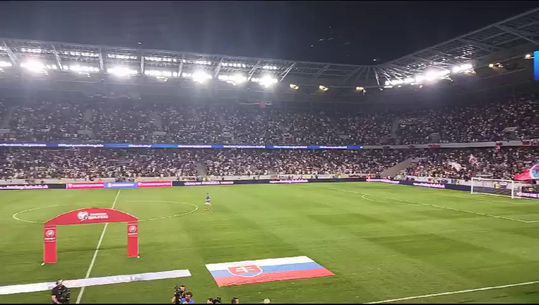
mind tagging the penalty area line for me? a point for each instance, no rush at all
(79, 297)
(454, 292)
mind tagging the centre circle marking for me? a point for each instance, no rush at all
(166, 201)
(15, 216)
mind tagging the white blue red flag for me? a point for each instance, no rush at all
(266, 270)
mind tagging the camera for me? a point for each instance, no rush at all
(217, 300)
(179, 293)
(65, 296)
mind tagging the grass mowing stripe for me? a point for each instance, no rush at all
(454, 292)
(79, 297)
(365, 196)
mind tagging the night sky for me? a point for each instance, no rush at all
(344, 32)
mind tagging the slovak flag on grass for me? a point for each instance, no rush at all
(266, 270)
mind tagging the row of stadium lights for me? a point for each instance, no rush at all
(148, 58)
(199, 76)
(433, 75)
(499, 65)
(430, 76)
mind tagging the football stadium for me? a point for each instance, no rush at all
(154, 173)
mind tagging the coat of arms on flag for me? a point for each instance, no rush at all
(245, 271)
(266, 270)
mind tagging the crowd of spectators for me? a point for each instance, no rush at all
(104, 120)
(503, 163)
(91, 164)
(251, 162)
(115, 121)
(471, 123)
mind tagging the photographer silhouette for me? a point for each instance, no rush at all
(60, 294)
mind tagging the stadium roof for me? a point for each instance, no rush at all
(518, 30)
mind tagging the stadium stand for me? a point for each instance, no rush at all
(466, 163)
(92, 164)
(103, 120)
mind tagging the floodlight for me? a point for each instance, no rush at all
(202, 62)
(360, 89)
(34, 66)
(122, 71)
(121, 56)
(462, 68)
(323, 88)
(266, 81)
(5, 64)
(30, 50)
(293, 86)
(234, 79)
(527, 56)
(82, 69)
(160, 73)
(269, 67)
(239, 79)
(200, 77)
(431, 76)
(466, 67)
(491, 65)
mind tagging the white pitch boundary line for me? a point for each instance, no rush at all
(454, 292)
(365, 196)
(79, 297)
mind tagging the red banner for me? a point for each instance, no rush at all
(88, 216)
(154, 184)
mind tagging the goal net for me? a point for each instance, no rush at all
(498, 187)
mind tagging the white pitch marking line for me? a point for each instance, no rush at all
(454, 292)
(365, 196)
(169, 216)
(14, 216)
(79, 297)
(95, 281)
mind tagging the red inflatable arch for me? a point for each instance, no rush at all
(86, 217)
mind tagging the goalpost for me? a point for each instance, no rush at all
(499, 187)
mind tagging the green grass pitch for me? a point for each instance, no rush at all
(381, 241)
